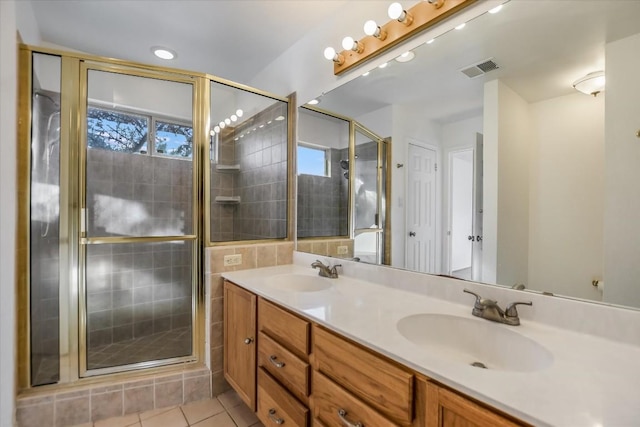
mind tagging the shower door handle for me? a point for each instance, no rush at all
(412, 234)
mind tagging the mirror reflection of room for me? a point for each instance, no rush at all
(517, 155)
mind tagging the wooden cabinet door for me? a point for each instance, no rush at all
(448, 409)
(240, 342)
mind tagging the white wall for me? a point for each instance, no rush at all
(461, 208)
(622, 177)
(379, 121)
(322, 130)
(8, 120)
(567, 195)
(506, 185)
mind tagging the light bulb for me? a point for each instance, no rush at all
(234, 118)
(239, 113)
(313, 102)
(373, 29)
(212, 133)
(222, 125)
(348, 43)
(330, 53)
(216, 129)
(395, 11)
(370, 27)
(227, 121)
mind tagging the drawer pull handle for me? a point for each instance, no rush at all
(343, 417)
(273, 359)
(248, 341)
(272, 415)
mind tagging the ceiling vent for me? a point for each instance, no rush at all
(480, 68)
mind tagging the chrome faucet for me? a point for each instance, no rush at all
(489, 309)
(325, 270)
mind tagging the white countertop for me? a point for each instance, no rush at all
(591, 382)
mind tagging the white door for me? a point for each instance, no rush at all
(476, 265)
(461, 237)
(421, 210)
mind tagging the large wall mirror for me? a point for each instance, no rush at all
(501, 171)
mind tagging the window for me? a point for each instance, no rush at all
(126, 132)
(173, 139)
(117, 131)
(313, 160)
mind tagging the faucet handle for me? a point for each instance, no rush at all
(478, 297)
(511, 308)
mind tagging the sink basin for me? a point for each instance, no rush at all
(477, 343)
(299, 283)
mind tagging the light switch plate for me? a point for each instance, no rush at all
(230, 260)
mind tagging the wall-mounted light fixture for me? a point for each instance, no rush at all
(405, 23)
(591, 84)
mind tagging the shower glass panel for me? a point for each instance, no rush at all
(323, 174)
(368, 197)
(45, 220)
(139, 244)
(138, 302)
(132, 189)
(247, 165)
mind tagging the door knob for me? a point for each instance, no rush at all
(471, 238)
(412, 234)
(478, 238)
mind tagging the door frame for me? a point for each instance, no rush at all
(438, 200)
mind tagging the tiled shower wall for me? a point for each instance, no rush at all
(135, 290)
(323, 202)
(260, 181)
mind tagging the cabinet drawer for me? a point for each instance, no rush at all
(285, 366)
(276, 406)
(378, 382)
(335, 407)
(288, 329)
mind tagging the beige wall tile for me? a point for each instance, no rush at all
(197, 388)
(216, 310)
(266, 256)
(216, 285)
(319, 248)
(284, 253)
(168, 394)
(248, 257)
(106, 405)
(218, 384)
(69, 412)
(216, 334)
(216, 358)
(30, 401)
(304, 246)
(138, 399)
(168, 378)
(216, 254)
(35, 415)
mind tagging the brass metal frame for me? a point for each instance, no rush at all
(424, 14)
(74, 69)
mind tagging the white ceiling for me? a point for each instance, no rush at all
(230, 39)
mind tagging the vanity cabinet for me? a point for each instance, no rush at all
(240, 341)
(297, 373)
(447, 408)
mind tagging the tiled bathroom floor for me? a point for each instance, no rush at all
(227, 410)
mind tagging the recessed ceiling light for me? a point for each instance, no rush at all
(279, 118)
(406, 57)
(461, 26)
(366, 74)
(313, 102)
(431, 41)
(496, 9)
(383, 65)
(163, 52)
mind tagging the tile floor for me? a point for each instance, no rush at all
(227, 410)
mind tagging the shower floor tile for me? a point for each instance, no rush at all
(163, 345)
(227, 410)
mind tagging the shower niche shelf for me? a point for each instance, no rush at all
(228, 168)
(229, 200)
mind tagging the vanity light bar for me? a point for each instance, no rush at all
(407, 24)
